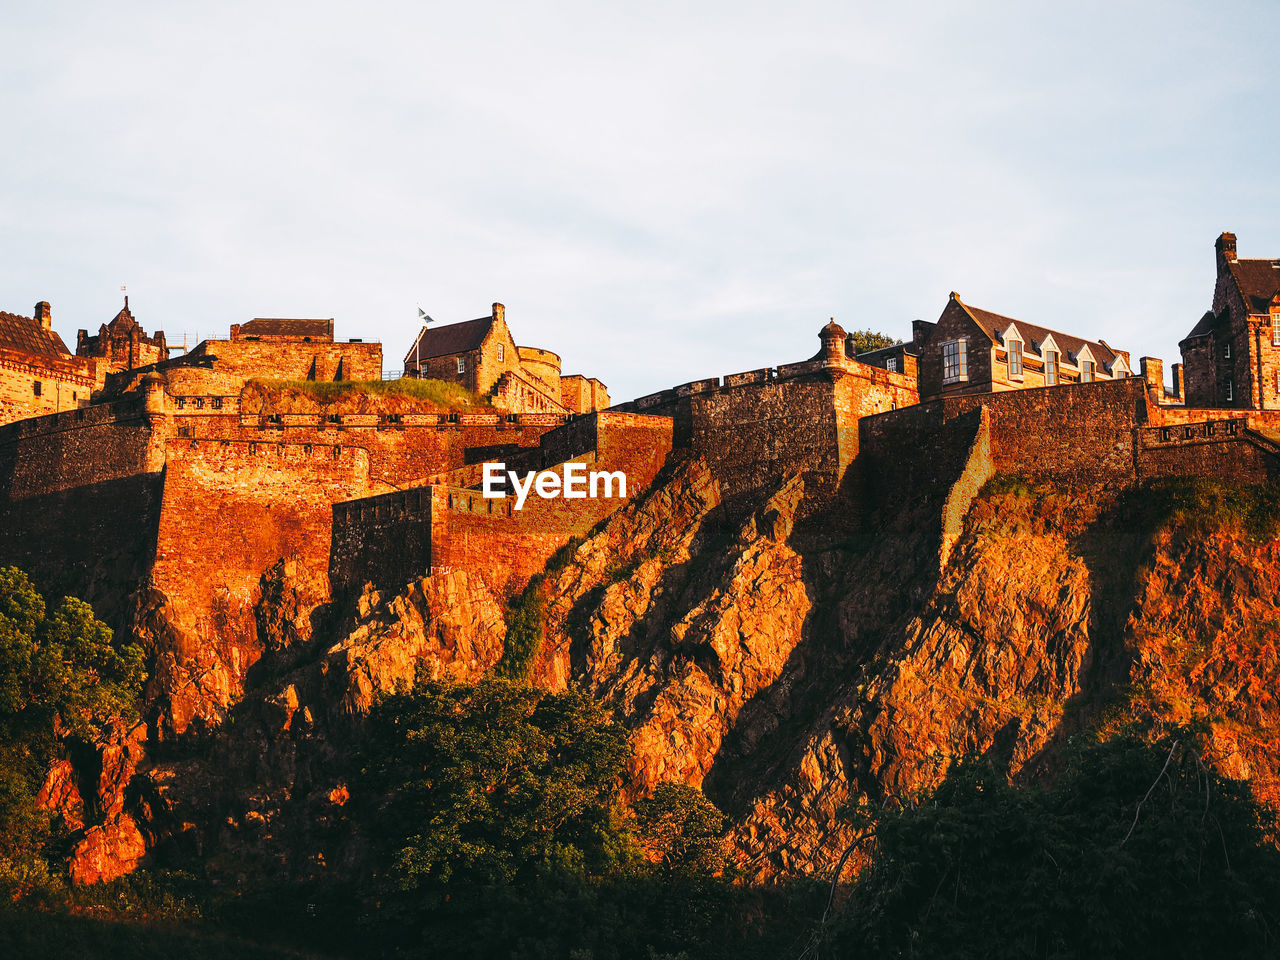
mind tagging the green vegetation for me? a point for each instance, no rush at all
(526, 618)
(1199, 505)
(62, 678)
(526, 626)
(493, 783)
(682, 831)
(1138, 851)
(444, 395)
(496, 809)
(864, 341)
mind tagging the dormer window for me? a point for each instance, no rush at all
(955, 365)
(1086, 371)
(1015, 359)
(1050, 368)
(462, 365)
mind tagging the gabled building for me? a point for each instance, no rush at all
(122, 344)
(1231, 358)
(38, 374)
(970, 350)
(482, 356)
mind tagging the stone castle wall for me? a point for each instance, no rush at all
(292, 360)
(393, 538)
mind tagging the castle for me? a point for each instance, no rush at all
(187, 478)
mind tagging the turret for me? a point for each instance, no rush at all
(833, 338)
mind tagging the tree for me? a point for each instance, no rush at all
(682, 830)
(62, 676)
(865, 341)
(1138, 851)
(493, 782)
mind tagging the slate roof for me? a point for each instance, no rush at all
(276, 327)
(122, 320)
(1204, 325)
(994, 324)
(1258, 280)
(449, 339)
(25, 335)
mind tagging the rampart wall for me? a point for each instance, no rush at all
(382, 538)
(80, 501)
(294, 360)
(763, 424)
(232, 508)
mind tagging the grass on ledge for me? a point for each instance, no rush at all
(450, 396)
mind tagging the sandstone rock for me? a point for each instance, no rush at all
(108, 851)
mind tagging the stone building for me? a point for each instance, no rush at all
(122, 344)
(290, 349)
(1231, 358)
(975, 351)
(901, 358)
(37, 373)
(482, 356)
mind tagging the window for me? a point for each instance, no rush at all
(1278, 382)
(216, 403)
(1275, 329)
(35, 387)
(1230, 390)
(954, 361)
(1015, 358)
(1086, 371)
(1050, 368)
(502, 353)
(891, 364)
(1226, 350)
(462, 365)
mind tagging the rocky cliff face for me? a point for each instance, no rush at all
(807, 659)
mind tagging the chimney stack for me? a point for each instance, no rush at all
(44, 314)
(1226, 247)
(500, 312)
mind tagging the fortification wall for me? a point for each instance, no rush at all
(1069, 432)
(766, 423)
(381, 538)
(753, 434)
(232, 508)
(583, 394)
(1211, 447)
(80, 502)
(75, 448)
(295, 360)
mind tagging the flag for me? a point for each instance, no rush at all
(422, 315)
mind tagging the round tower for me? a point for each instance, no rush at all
(543, 366)
(833, 338)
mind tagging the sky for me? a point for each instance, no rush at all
(658, 192)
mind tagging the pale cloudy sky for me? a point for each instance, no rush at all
(658, 191)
